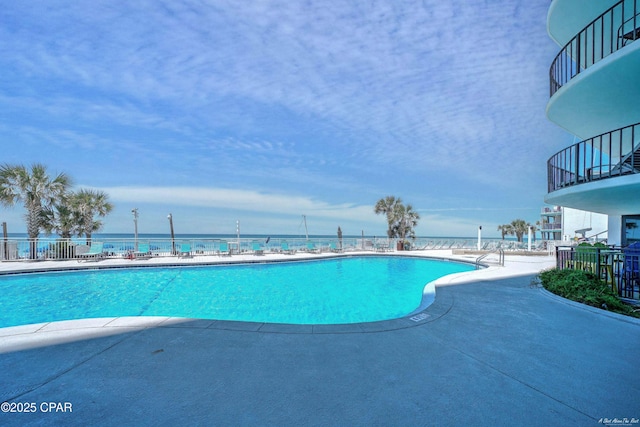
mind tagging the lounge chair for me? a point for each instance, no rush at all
(223, 249)
(257, 249)
(185, 250)
(382, 246)
(284, 246)
(143, 251)
(333, 247)
(311, 248)
(96, 252)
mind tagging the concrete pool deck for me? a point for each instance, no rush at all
(491, 350)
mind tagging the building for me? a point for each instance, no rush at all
(594, 94)
(561, 224)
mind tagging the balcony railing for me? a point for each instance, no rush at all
(608, 33)
(609, 155)
(552, 226)
(557, 210)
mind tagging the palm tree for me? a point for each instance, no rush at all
(520, 227)
(389, 206)
(406, 220)
(36, 190)
(505, 229)
(86, 205)
(59, 219)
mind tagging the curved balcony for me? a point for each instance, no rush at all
(608, 33)
(609, 155)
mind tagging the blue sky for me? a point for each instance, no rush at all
(264, 111)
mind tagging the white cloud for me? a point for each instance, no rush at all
(240, 200)
(356, 97)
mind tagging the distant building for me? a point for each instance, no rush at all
(566, 224)
(594, 93)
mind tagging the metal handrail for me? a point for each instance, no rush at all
(604, 156)
(500, 253)
(595, 42)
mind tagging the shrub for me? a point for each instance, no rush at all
(584, 287)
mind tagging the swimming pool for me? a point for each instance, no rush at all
(331, 291)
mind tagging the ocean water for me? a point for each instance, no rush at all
(125, 236)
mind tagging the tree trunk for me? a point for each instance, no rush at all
(33, 229)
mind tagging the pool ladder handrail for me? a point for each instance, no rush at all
(500, 253)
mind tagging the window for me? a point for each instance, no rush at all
(630, 229)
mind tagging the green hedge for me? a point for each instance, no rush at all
(586, 288)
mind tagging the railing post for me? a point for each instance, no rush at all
(577, 59)
(577, 165)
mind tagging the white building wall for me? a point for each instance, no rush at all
(615, 230)
(574, 219)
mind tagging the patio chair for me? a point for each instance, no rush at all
(223, 249)
(284, 246)
(257, 249)
(586, 257)
(631, 283)
(185, 250)
(96, 252)
(333, 247)
(311, 248)
(143, 252)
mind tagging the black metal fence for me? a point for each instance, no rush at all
(604, 156)
(608, 33)
(618, 267)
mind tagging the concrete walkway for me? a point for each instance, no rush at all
(491, 350)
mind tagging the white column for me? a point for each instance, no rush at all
(479, 237)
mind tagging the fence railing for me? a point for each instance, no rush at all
(608, 33)
(618, 267)
(604, 156)
(67, 249)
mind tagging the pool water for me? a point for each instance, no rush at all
(343, 290)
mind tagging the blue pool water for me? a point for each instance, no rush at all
(343, 290)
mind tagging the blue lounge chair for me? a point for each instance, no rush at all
(96, 252)
(223, 249)
(333, 247)
(185, 250)
(311, 247)
(143, 251)
(284, 247)
(257, 249)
